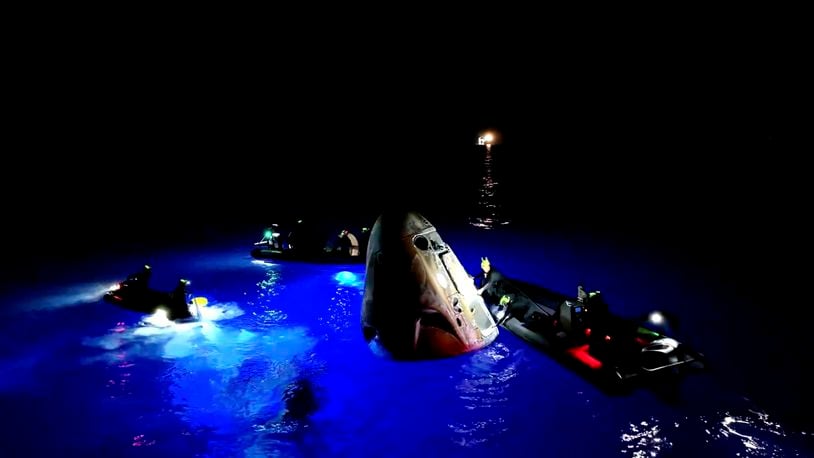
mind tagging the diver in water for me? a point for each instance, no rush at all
(178, 306)
(299, 400)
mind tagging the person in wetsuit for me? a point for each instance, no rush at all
(502, 302)
(140, 280)
(486, 280)
(178, 306)
(603, 338)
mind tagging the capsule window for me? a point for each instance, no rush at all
(421, 243)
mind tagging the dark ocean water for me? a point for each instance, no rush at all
(82, 378)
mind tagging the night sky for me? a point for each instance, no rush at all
(695, 146)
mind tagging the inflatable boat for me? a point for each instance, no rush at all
(134, 293)
(311, 242)
(582, 333)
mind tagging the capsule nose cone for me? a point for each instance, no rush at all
(394, 226)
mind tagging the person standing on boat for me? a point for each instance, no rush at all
(485, 280)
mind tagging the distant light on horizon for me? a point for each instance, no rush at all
(487, 138)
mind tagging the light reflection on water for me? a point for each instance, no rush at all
(339, 317)
(749, 433)
(216, 389)
(265, 304)
(488, 211)
(645, 439)
(223, 379)
(239, 382)
(486, 378)
(752, 430)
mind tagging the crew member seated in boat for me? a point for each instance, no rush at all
(270, 237)
(603, 342)
(499, 311)
(178, 307)
(139, 280)
(594, 302)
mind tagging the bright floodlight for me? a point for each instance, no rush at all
(159, 318)
(656, 318)
(488, 138)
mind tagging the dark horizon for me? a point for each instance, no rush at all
(609, 178)
(703, 163)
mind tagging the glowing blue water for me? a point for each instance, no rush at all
(81, 378)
